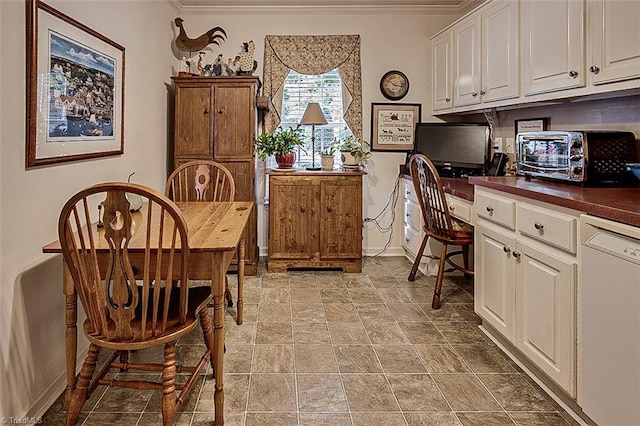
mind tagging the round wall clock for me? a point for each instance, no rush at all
(394, 85)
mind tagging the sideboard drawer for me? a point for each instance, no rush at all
(552, 227)
(412, 215)
(496, 209)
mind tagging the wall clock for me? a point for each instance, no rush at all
(394, 85)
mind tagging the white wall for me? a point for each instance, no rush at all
(31, 301)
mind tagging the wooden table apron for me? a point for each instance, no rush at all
(215, 230)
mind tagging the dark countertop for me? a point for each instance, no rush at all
(617, 204)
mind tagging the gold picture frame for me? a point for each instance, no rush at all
(75, 89)
(393, 126)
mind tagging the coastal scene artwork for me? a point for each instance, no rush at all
(75, 89)
(81, 85)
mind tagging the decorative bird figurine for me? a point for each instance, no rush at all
(186, 44)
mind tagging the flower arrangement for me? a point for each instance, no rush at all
(278, 142)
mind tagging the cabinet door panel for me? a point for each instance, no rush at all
(194, 127)
(495, 273)
(340, 218)
(292, 218)
(466, 39)
(615, 40)
(553, 45)
(545, 296)
(500, 64)
(234, 120)
(441, 83)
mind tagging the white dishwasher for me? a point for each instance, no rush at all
(610, 325)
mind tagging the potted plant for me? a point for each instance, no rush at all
(280, 143)
(354, 151)
(327, 158)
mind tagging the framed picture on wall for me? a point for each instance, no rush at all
(393, 126)
(75, 89)
(531, 125)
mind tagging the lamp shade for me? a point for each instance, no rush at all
(313, 114)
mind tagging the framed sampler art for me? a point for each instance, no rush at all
(393, 126)
(75, 89)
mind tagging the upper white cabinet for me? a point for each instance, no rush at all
(466, 62)
(512, 52)
(614, 41)
(500, 67)
(441, 77)
(477, 58)
(552, 45)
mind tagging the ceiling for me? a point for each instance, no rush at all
(448, 5)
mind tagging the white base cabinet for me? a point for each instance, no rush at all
(526, 279)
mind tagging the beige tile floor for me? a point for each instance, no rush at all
(327, 348)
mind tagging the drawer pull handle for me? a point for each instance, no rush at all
(539, 226)
(408, 193)
(490, 209)
(447, 99)
(573, 73)
(506, 249)
(408, 215)
(516, 254)
(407, 240)
(452, 207)
(594, 69)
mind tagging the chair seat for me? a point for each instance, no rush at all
(199, 297)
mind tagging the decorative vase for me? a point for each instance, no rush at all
(327, 162)
(348, 159)
(286, 161)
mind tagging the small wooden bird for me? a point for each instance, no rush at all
(186, 44)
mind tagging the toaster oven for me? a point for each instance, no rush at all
(585, 157)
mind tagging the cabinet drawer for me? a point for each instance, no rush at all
(497, 209)
(458, 208)
(408, 191)
(411, 240)
(552, 227)
(412, 216)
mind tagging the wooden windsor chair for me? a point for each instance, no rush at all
(438, 223)
(208, 180)
(133, 308)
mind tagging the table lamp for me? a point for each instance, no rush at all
(313, 115)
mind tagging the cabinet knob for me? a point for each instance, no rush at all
(452, 207)
(220, 111)
(506, 249)
(407, 240)
(539, 226)
(573, 73)
(447, 99)
(408, 215)
(490, 209)
(206, 111)
(302, 209)
(516, 254)
(407, 193)
(329, 209)
(594, 69)
(483, 92)
(474, 94)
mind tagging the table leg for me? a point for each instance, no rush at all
(71, 332)
(240, 304)
(220, 263)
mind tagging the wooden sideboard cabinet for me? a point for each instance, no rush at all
(315, 220)
(217, 118)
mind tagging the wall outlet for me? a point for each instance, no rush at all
(497, 145)
(510, 148)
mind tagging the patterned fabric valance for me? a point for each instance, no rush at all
(313, 55)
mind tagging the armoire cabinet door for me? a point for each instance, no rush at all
(193, 136)
(235, 117)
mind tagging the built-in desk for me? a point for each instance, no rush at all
(459, 194)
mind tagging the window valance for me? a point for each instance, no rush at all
(313, 55)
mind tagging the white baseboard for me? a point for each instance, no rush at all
(51, 394)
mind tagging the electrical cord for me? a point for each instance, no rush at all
(391, 202)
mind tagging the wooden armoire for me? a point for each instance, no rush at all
(217, 118)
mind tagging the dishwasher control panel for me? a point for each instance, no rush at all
(616, 239)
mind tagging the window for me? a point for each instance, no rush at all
(326, 89)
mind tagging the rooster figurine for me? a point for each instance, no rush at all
(186, 44)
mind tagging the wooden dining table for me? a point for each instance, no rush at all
(215, 231)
